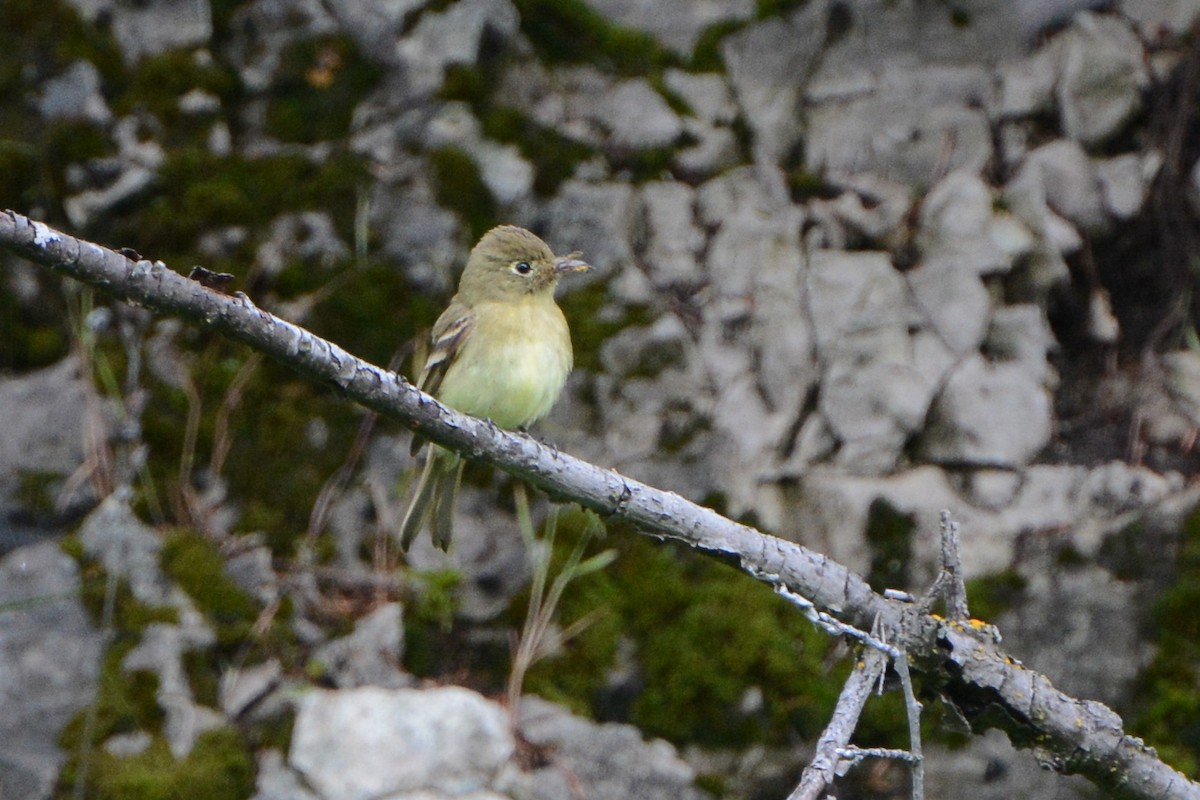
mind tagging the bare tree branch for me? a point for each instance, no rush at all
(827, 763)
(958, 658)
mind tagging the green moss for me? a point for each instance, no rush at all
(644, 164)
(776, 8)
(571, 31)
(20, 174)
(674, 99)
(459, 187)
(40, 39)
(198, 191)
(35, 493)
(589, 327)
(989, 596)
(159, 80)
(554, 156)
(318, 84)
(468, 83)
(804, 185)
(125, 703)
(706, 53)
(220, 767)
(1167, 705)
(703, 634)
(889, 533)
(194, 562)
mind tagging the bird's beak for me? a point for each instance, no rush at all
(571, 263)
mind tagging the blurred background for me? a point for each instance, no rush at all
(855, 261)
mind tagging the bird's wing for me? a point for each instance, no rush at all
(450, 333)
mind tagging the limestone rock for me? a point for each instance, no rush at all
(878, 378)
(44, 413)
(597, 218)
(767, 64)
(601, 761)
(675, 23)
(958, 222)
(674, 241)
(1103, 76)
(358, 744)
(370, 655)
(638, 117)
(49, 664)
(988, 415)
(954, 300)
(75, 95)
(453, 36)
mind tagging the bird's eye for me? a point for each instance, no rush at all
(522, 268)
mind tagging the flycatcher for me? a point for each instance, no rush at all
(501, 350)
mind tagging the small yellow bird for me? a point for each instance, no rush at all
(501, 350)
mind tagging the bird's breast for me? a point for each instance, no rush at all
(514, 364)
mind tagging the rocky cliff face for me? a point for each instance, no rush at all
(855, 262)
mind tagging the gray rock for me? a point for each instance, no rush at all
(418, 233)
(1125, 182)
(358, 744)
(453, 36)
(305, 236)
(995, 770)
(1027, 85)
(675, 23)
(637, 116)
(873, 210)
(597, 218)
(954, 300)
(755, 343)
(909, 126)
(49, 665)
(958, 222)
(370, 655)
(601, 762)
(157, 26)
(45, 416)
(160, 652)
(988, 415)
(1066, 178)
(1176, 16)
(1103, 76)
(645, 351)
(131, 173)
(714, 110)
(1021, 333)
(129, 549)
(508, 176)
(252, 570)
(274, 781)
(707, 95)
(768, 64)
(716, 149)
(878, 377)
(674, 241)
(1053, 174)
(75, 95)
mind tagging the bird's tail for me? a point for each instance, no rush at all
(436, 494)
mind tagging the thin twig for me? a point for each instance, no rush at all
(826, 763)
(913, 708)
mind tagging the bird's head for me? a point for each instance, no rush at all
(511, 262)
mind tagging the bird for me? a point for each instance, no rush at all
(501, 350)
